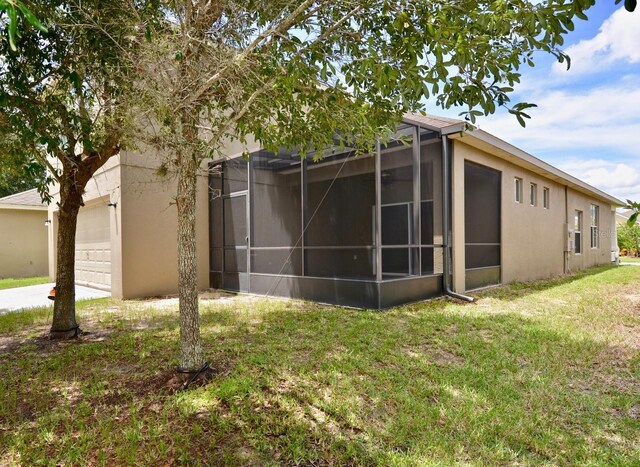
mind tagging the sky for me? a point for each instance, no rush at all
(587, 122)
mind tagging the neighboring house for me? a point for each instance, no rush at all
(23, 235)
(623, 216)
(366, 231)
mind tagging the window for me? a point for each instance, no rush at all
(595, 219)
(518, 186)
(577, 233)
(545, 197)
(533, 194)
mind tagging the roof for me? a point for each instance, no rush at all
(461, 130)
(437, 122)
(626, 213)
(29, 199)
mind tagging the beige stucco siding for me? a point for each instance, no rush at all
(606, 226)
(533, 239)
(149, 223)
(23, 243)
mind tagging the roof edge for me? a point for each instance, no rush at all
(24, 207)
(501, 145)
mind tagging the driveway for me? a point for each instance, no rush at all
(36, 296)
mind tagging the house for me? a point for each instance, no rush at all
(23, 235)
(439, 208)
(623, 216)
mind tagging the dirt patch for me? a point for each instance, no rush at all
(438, 357)
(634, 298)
(39, 337)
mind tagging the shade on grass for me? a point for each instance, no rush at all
(546, 372)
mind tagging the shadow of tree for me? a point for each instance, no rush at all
(428, 383)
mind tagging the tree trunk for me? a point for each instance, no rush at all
(191, 358)
(64, 308)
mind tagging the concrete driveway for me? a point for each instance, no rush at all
(36, 296)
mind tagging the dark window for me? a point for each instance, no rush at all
(518, 189)
(533, 194)
(545, 197)
(577, 232)
(482, 216)
(595, 221)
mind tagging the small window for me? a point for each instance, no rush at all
(545, 197)
(577, 233)
(533, 194)
(595, 220)
(518, 186)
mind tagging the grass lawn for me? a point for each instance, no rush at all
(629, 259)
(539, 373)
(24, 282)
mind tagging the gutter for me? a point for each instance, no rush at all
(446, 223)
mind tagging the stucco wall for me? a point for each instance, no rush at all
(23, 243)
(591, 256)
(149, 223)
(533, 239)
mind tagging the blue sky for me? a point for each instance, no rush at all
(587, 122)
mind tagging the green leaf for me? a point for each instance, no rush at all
(35, 22)
(13, 25)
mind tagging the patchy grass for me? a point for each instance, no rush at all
(24, 282)
(539, 373)
(629, 259)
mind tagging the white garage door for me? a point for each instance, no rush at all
(93, 247)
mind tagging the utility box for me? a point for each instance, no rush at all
(569, 243)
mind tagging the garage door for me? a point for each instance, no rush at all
(93, 247)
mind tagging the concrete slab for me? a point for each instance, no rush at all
(36, 296)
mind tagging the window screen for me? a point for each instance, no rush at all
(577, 232)
(595, 220)
(533, 194)
(340, 200)
(482, 216)
(545, 197)
(518, 189)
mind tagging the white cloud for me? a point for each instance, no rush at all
(593, 135)
(601, 119)
(618, 179)
(618, 40)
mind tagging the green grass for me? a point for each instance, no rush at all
(537, 373)
(24, 282)
(629, 259)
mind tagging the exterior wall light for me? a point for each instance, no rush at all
(47, 223)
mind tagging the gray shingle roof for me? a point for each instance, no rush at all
(25, 198)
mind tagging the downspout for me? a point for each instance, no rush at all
(565, 247)
(446, 223)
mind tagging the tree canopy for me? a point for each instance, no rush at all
(312, 74)
(63, 105)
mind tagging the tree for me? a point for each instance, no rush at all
(307, 72)
(629, 237)
(15, 8)
(19, 173)
(635, 207)
(62, 105)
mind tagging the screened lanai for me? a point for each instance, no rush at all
(355, 230)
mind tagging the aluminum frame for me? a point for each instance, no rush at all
(403, 289)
